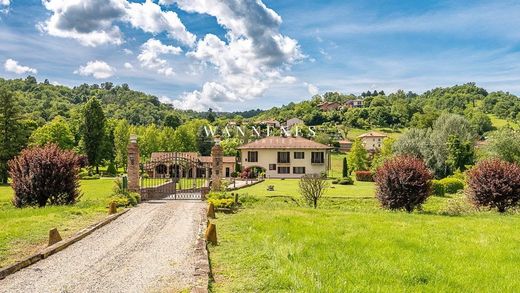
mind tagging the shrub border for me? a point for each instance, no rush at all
(48, 251)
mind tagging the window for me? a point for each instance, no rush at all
(227, 172)
(284, 170)
(318, 158)
(272, 166)
(252, 157)
(298, 170)
(284, 157)
(299, 155)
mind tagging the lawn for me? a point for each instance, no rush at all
(350, 244)
(24, 231)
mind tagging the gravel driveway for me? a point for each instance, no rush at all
(151, 248)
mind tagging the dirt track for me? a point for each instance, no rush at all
(151, 248)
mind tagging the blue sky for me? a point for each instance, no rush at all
(237, 55)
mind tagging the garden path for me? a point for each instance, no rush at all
(150, 248)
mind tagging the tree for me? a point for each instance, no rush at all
(229, 146)
(121, 139)
(56, 132)
(93, 131)
(358, 157)
(345, 168)
(172, 120)
(505, 144)
(312, 187)
(12, 132)
(403, 183)
(494, 184)
(460, 154)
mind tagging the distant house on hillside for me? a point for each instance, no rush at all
(293, 121)
(286, 157)
(345, 145)
(329, 106)
(358, 103)
(271, 123)
(373, 140)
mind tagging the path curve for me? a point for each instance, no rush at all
(151, 248)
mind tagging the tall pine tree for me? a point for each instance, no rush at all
(345, 167)
(12, 133)
(93, 132)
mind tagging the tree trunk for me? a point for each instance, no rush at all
(315, 203)
(97, 169)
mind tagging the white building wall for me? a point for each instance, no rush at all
(270, 156)
(372, 143)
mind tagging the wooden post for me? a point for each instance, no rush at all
(54, 236)
(236, 198)
(112, 208)
(211, 234)
(211, 211)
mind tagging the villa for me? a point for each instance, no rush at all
(286, 157)
(373, 140)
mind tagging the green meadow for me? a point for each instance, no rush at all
(25, 231)
(275, 243)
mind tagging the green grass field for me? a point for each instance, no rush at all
(350, 244)
(24, 231)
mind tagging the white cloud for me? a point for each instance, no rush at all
(128, 65)
(11, 65)
(253, 57)
(128, 51)
(93, 22)
(150, 56)
(97, 69)
(5, 2)
(312, 89)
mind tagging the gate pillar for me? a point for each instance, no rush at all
(133, 164)
(216, 156)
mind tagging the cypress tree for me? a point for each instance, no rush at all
(93, 132)
(345, 167)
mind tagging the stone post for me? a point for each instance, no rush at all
(216, 156)
(133, 164)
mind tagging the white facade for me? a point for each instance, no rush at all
(372, 143)
(268, 159)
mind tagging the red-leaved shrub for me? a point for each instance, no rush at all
(367, 176)
(403, 183)
(45, 175)
(495, 184)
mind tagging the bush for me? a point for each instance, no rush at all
(221, 199)
(438, 188)
(452, 185)
(367, 176)
(494, 184)
(123, 197)
(346, 181)
(403, 183)
(335, 181)
(45, 175)
(111, 169)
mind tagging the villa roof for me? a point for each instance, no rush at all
(373, 134)
(344, 141)
(279, 142)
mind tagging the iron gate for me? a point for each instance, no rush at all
(174, 176)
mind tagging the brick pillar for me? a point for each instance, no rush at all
(216, 155)
(133, 164)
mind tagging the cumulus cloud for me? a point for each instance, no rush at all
(11, 65)
(97, 69)
(93, 22)
(254, 55)
(150, 56)
(128, 65)
(312, 89)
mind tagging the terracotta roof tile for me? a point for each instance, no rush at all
(278, 142)
(373, 134)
